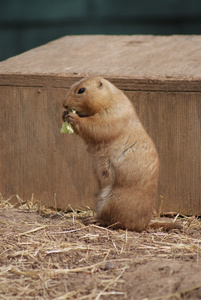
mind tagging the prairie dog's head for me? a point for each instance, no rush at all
(90, 96)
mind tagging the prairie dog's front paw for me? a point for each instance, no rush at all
(64, 115)
(73, 119)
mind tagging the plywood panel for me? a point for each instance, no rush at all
(173, 121)
(132, 62)
(35, 158)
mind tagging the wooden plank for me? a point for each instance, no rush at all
(35, 158)
(126, 84)
(132, 62)
(173, 121)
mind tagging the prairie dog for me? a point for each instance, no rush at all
(125, 160)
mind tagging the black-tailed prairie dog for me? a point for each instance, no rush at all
(125, 160)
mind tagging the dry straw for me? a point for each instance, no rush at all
(49, 254)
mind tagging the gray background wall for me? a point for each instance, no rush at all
(25, 24)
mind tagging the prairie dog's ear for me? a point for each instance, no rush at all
(100, 84)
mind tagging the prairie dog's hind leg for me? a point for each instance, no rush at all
(100, 202)
(126, 209)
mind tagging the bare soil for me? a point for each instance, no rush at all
(46, 254)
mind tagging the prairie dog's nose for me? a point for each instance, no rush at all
(65, 106)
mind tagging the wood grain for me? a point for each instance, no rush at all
(173, 121)
(35, 158)
(146, 62)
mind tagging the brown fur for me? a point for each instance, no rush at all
(125, 160)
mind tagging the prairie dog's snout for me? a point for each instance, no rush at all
(64, 104)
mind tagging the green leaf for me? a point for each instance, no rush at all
(66, 128)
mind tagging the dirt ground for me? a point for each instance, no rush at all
(52, 255)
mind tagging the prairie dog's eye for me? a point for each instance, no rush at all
(81, 91)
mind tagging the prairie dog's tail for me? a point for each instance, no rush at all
(166, 226)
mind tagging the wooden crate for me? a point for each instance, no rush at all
(162, 77)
